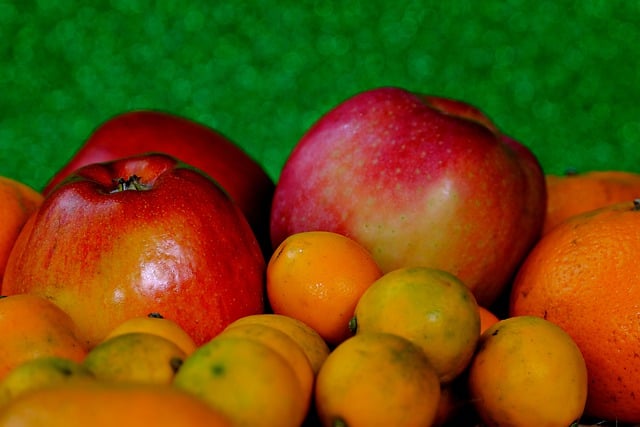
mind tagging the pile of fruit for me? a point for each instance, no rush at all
(412, 266)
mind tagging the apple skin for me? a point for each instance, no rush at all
(417, 180)
(181, 248)
(138, 132)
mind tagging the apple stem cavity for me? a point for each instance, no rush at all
(636, 204)
(131, 183)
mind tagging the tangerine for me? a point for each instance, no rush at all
(317, 277)
(528, 372)
(246, 380)
(377, 379)
(138, 357)
(430, 307)
(583, 276)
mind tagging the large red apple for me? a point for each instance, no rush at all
(138, 132)
(139, 235)
(417, 180)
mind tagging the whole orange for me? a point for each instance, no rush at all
(431, 308)
(135, 357)
(583, 276)
(528, 372)
(247, 380)
(377, 379)
(317, 277)
(574, 193)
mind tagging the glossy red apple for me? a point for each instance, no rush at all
(417, 180)
(138, 132)
(139, 235)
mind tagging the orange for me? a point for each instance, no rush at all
(583, 276)
(100, 404)
(248, 381)
(528, 372)
(284, 345)
(304, 335)
(17, 202)
(155, 323)
(33, 327)
(430, 307)
(317, 277)
(137, 357)
(574, 193)
(487, 318)
(377, 379)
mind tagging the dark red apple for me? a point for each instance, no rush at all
(417, 180)
(140, 235)
(198, 145)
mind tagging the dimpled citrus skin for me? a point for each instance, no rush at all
(582, 275)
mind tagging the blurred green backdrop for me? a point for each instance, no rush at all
(561, 76)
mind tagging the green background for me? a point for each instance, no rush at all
(562, 76)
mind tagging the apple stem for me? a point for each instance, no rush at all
(131, 183)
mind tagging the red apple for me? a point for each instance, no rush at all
(140, 235)
(417, 180)
(144, 131)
